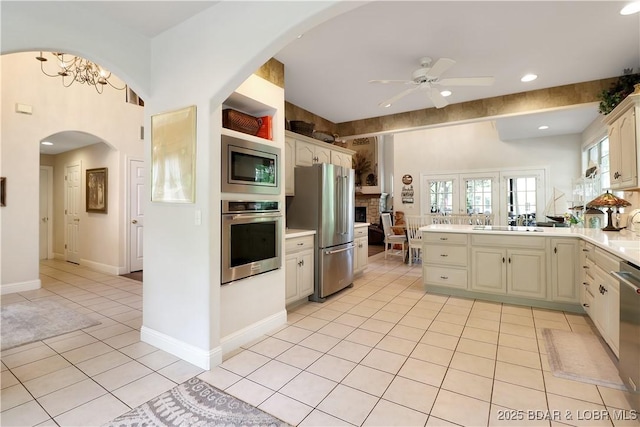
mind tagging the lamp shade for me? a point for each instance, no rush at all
(607, 200)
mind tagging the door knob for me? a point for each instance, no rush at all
(134, 221)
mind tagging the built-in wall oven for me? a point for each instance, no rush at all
(251, 238)
(249, 167)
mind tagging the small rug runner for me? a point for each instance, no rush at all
(195, 403)
(581, 357)
(26, 322)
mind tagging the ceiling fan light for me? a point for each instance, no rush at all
(446, 93)
(528, 78)
(47, 143)
(631, 8)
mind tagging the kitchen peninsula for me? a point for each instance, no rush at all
(527, 265)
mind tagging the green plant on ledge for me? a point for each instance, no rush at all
(619, 90)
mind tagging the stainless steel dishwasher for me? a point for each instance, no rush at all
(629, 364)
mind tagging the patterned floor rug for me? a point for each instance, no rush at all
(195, 403)
(26, 322)
(581, 357)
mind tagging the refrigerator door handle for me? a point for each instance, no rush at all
(345, 188)
(339, 204)
(340, 250)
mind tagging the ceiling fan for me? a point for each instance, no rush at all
(427, 78)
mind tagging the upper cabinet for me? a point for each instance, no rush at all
(302, 150)
(624, 128)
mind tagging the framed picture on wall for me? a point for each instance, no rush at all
(97, 190)
(173, 156)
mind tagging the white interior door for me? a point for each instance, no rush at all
(46, 209)
(72, 199)
(136, 213)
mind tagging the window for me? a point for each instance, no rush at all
(479, 196)
(441, 196)
(599, 155)
(522, 196)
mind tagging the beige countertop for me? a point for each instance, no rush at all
(623, 244)
(296, 232)
(361, 224)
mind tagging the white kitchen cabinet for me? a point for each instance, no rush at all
(361, 241)
(623, 130)
(606, 298)
(302, 150)
(513, 266)
(289, 165)
(308, 154)
(341, 159)
(586, 281)
(565, 262)
(298, 268)
(511, 271)
(446, 260)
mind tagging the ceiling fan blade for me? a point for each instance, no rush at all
(438, 100)
(467, 81)
(441, 65)
(402, 94)
(392, 81)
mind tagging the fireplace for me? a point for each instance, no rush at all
(361, 214)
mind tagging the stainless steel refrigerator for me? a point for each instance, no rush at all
(324, 201)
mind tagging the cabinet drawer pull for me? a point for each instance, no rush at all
(300, 244)
(444, 277)
(585, 305)
(444, 255)
(444, 238)
(586, 267)
(585, 250)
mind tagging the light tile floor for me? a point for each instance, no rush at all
(381, 353)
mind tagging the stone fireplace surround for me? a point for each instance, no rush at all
(372, 203)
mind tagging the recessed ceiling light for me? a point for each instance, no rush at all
(300, 36)
(543, 127)
(386, 105)
(446, 93)
(631, 8)
(528, 78)
(47, 143)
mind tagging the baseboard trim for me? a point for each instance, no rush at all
(11, 288)
(192, 354)
(237, 339)
(102, 268)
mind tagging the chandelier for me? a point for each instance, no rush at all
(76, 69)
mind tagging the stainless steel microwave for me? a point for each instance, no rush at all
(249, 167)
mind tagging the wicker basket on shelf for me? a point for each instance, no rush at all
(241, 122)
(301, 127)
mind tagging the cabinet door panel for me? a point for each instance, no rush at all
(526, 273)
(628, 168)
(323, 155)
(289, 165)
(488, 270)
(305, 154)
(564, 259)
(306, 274)
(291, 278)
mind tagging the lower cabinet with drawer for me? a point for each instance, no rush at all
(298, 266)
(446, 259)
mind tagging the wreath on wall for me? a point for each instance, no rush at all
(618, 91)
